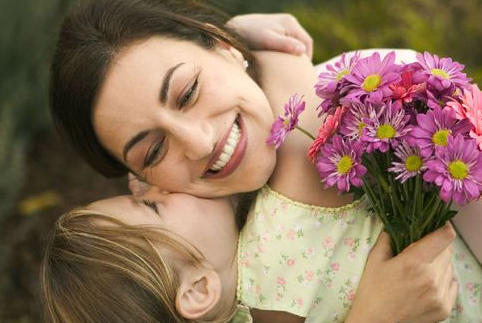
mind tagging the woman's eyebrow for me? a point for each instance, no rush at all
(132, 142)
(166, 82)
(163, 98)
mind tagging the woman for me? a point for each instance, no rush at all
(164, 108)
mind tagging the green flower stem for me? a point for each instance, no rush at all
(374, 201)
(306, 133)
(438, 205)
(409, 210)
(405, 191)
(380, 178)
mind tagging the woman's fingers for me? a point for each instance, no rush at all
(432, 245)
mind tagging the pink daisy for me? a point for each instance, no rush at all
(470, 108)
(340, 164)
(283, 126)
(443, 73)
(385, 128)
(457, 170)
(371, 77)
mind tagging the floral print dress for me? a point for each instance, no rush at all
(308, 260)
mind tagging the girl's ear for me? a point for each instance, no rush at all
(199, 292)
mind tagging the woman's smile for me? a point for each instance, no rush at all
(229, 151)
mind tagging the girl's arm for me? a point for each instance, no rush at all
(276, 32)
(295, 176)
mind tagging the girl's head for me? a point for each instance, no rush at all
(118, 260)
(159, 88)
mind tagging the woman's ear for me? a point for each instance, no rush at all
(230, 52)
(226, 48)
(199, 292)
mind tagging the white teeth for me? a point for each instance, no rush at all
(228, 148)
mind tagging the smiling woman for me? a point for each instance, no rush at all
(183, 117)
(160, 89)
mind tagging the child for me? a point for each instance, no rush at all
(182, 259)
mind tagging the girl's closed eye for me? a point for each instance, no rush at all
(151, 205)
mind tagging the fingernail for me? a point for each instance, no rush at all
(300, 48)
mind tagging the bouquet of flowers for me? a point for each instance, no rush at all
(408, 136)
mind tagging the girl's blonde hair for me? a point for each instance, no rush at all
(99, 269)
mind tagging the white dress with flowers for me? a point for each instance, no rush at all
(308, 260)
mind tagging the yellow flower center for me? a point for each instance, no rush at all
(458, 169)
(439, 72)
(385, 131)
(372, 82)
(440, 137)
(286, 122)
(344, 165)
(413, 163)
(342, 73)
(361, 125)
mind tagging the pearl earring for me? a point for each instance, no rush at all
(245, 64)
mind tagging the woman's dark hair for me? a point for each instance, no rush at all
(89, 39)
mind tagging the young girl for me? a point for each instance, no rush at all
(181, 259)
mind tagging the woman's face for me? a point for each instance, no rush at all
(186, 119)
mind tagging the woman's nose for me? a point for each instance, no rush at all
(195, 141)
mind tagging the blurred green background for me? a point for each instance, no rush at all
(40, 177)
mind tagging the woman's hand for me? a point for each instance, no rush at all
(416, 286)
(276, 32)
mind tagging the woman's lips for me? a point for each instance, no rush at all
(236, 157)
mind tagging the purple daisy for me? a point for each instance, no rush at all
(371, 77)
(385, 128)
(411, 163)
(443, 73)
(353, 124)
(457, 170)
(434, 129)
(340, 163)
(283, 126)
(328, 82)
(439, 98)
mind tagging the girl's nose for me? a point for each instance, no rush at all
(195, 141)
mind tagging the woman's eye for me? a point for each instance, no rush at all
(189, 94)
(154, 152)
